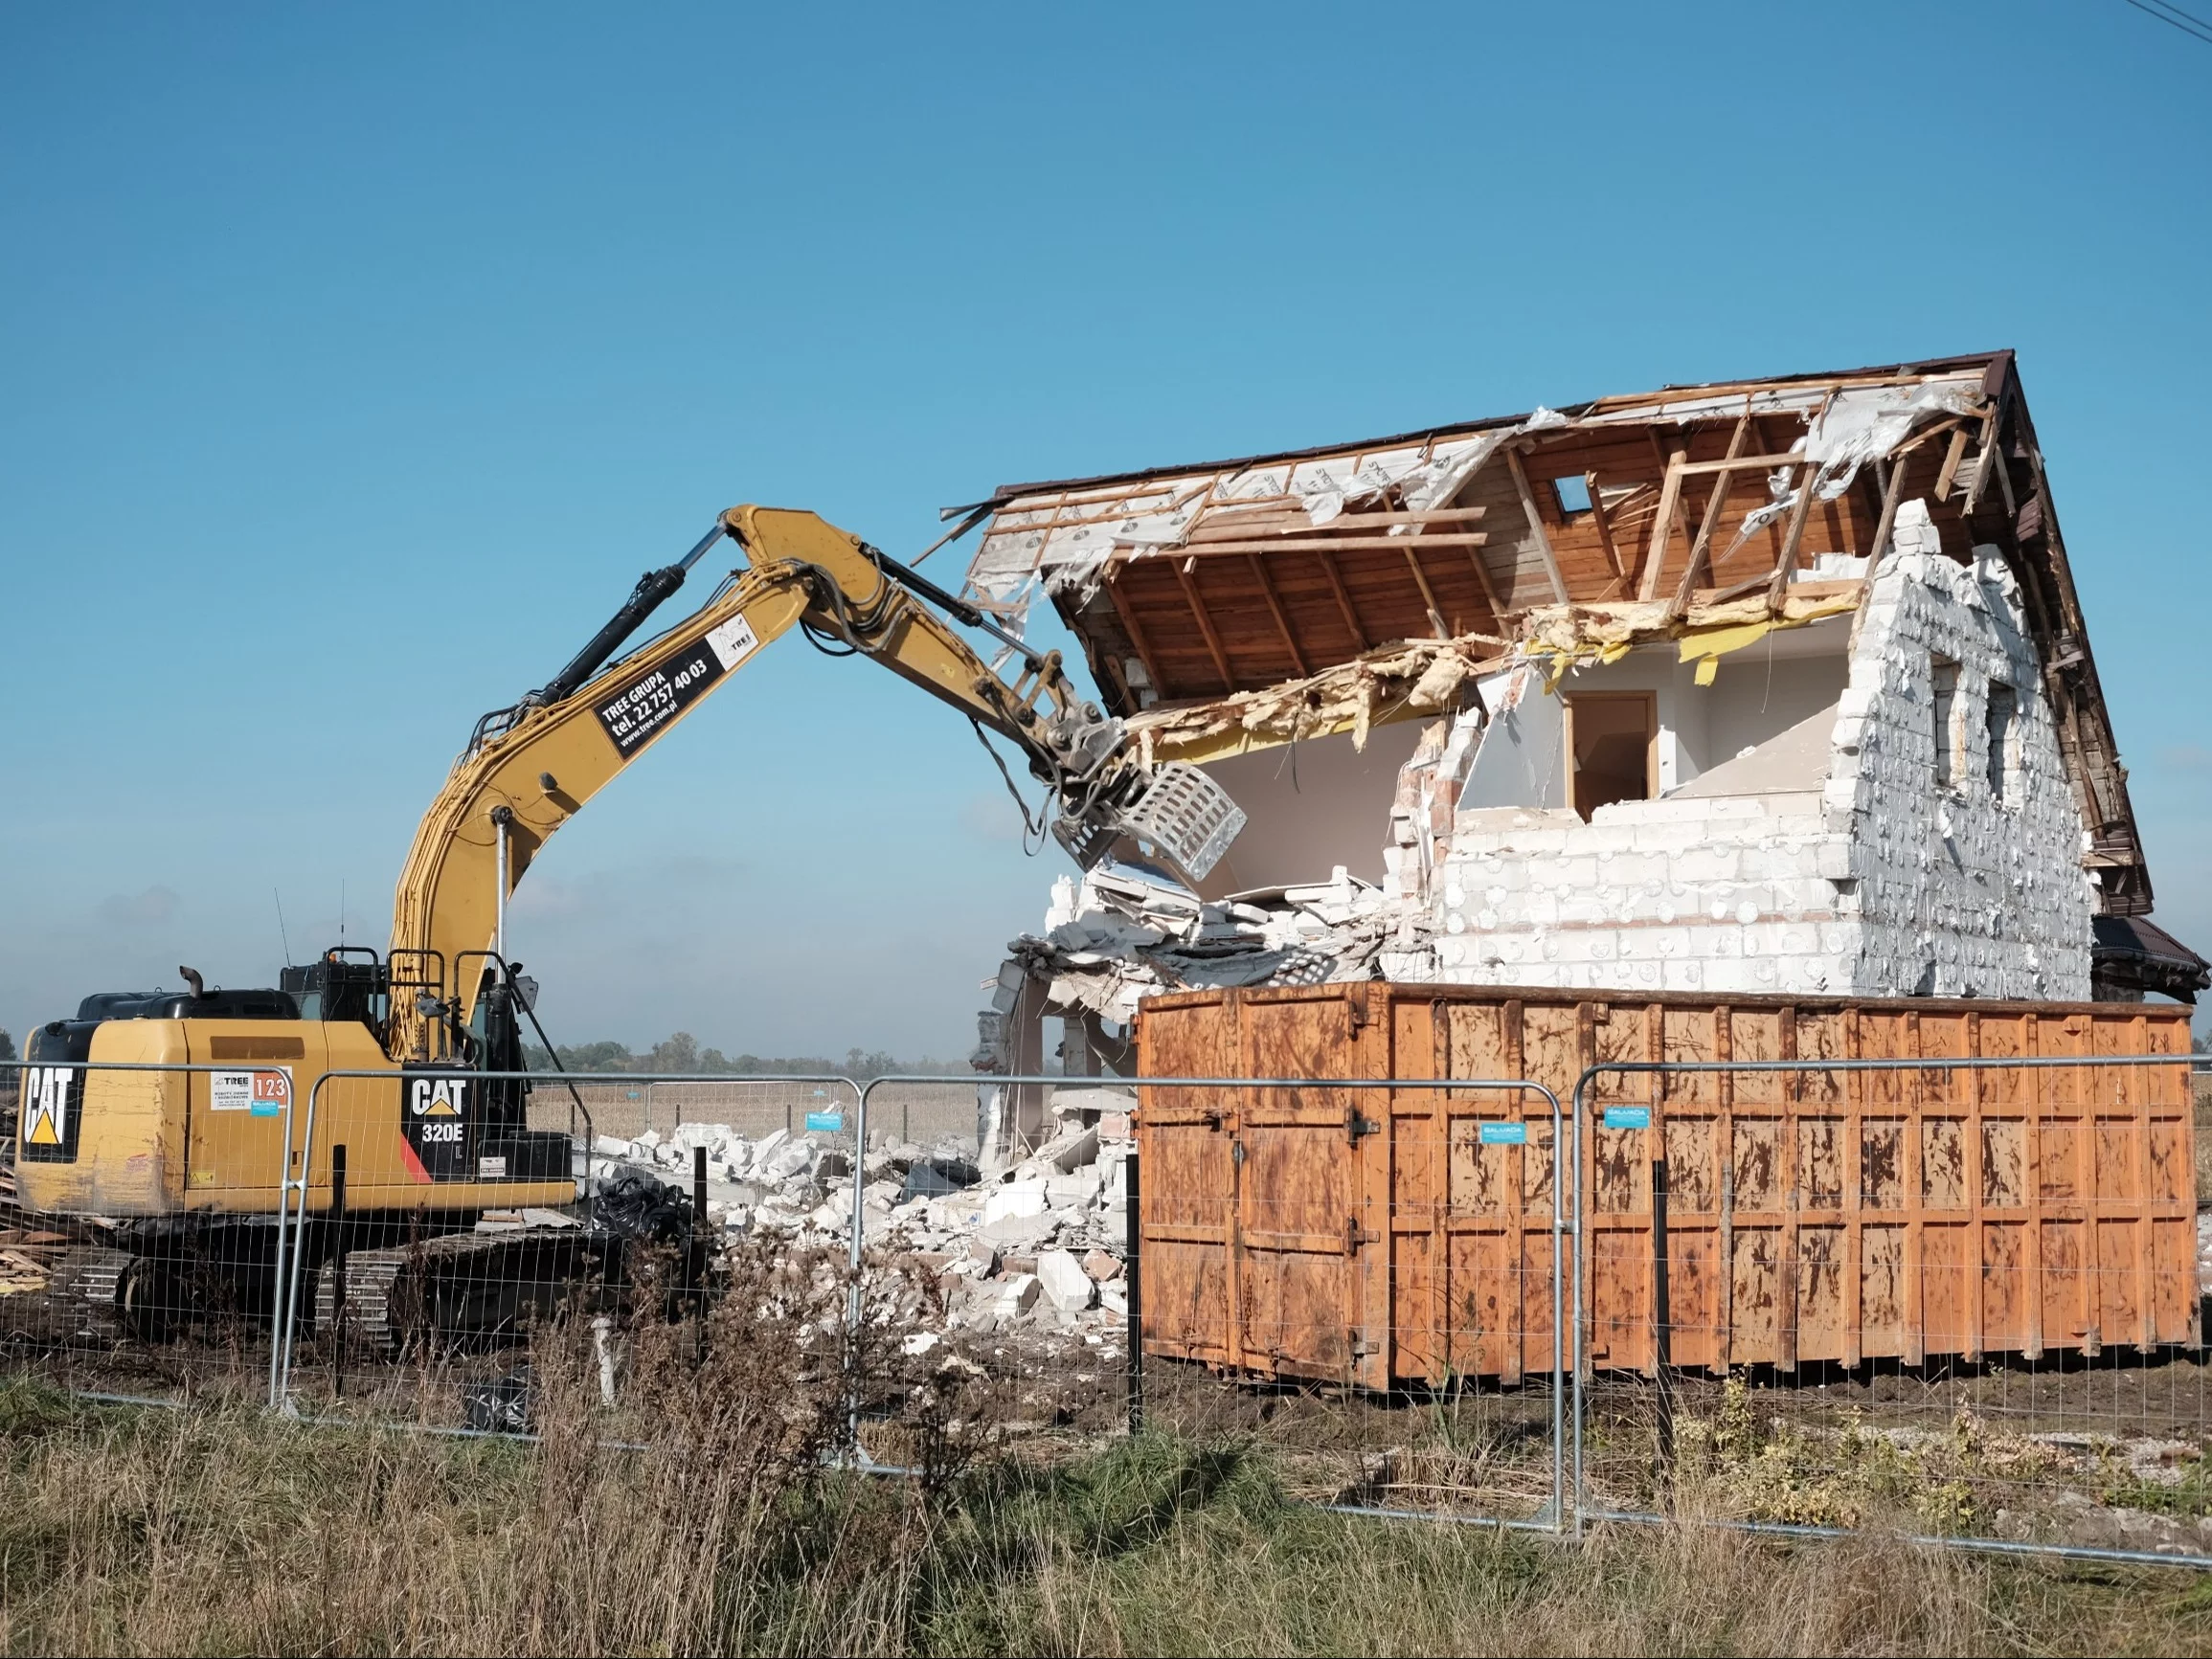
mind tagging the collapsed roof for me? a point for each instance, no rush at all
(1265, 599)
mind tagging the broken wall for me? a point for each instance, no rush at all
(1961, 889)
(1826, 860)
(1703, 894)
(1310, 806)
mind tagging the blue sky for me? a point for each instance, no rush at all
(356, 359)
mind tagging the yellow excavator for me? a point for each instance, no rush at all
(170, 1179)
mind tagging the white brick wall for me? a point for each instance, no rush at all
(1881, 883)
(1957, 892)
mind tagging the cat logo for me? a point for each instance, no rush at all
(46, 1105)
(439, 1097)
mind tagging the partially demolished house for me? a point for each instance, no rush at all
(1765, 686)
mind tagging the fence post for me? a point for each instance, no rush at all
(1134, 1275)
(1662, 1325)
(853, 1301)
(286, 1247)
(1575, 1324)
(337, 1331)
(701, 1243)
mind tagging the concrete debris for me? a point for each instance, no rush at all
(1120, 935)
(1015, 1200)
(1065, 1285)
(1031, 1247)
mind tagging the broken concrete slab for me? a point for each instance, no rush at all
(1014, 1198)
(1014, 1232)
(1066, 1286)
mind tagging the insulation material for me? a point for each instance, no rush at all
(1565, 636)
(1870, 421)
(1420, 678)
(1856, 427)
(1806, 399)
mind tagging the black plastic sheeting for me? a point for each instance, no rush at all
(934, 1177)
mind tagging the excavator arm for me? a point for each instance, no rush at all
(529, 769)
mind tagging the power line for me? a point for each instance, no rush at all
(2195, 26)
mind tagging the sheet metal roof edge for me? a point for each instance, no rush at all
(1992, 363)
(2139, 934)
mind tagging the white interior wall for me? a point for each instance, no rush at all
(1312, 806)
(1520, 761)
(1759, 692)
(1758, 695)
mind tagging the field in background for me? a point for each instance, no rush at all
(925, 1113)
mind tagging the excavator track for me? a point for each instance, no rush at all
(80, 1302)
(461, 1288)
(369, 1278)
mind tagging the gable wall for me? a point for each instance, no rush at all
(1958, 893)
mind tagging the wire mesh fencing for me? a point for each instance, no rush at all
(1362, 1274)
(1385, 1258)
(1008, 1264)
(1952, 1297)
(442, 1238)
(138, 1223)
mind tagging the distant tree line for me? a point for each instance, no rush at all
(680, 1052)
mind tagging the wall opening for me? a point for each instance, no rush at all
(2002, 719)
(1942, 716)
(1613, 745)
(1574, 493)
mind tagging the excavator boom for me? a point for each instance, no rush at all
(530, 768)
(409, 1066)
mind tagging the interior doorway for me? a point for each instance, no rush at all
(1612, 747)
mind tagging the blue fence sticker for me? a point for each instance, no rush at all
(1505, 1134)
(831, 1121)
(1628, 1117)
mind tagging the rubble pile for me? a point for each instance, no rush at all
(1120, 935)
(1037, 1247)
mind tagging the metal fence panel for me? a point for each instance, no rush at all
(138, 1223)
(1955, 1297)
(422, 1276)
(1375, 1263)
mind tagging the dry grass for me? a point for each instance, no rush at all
(230, 1532)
